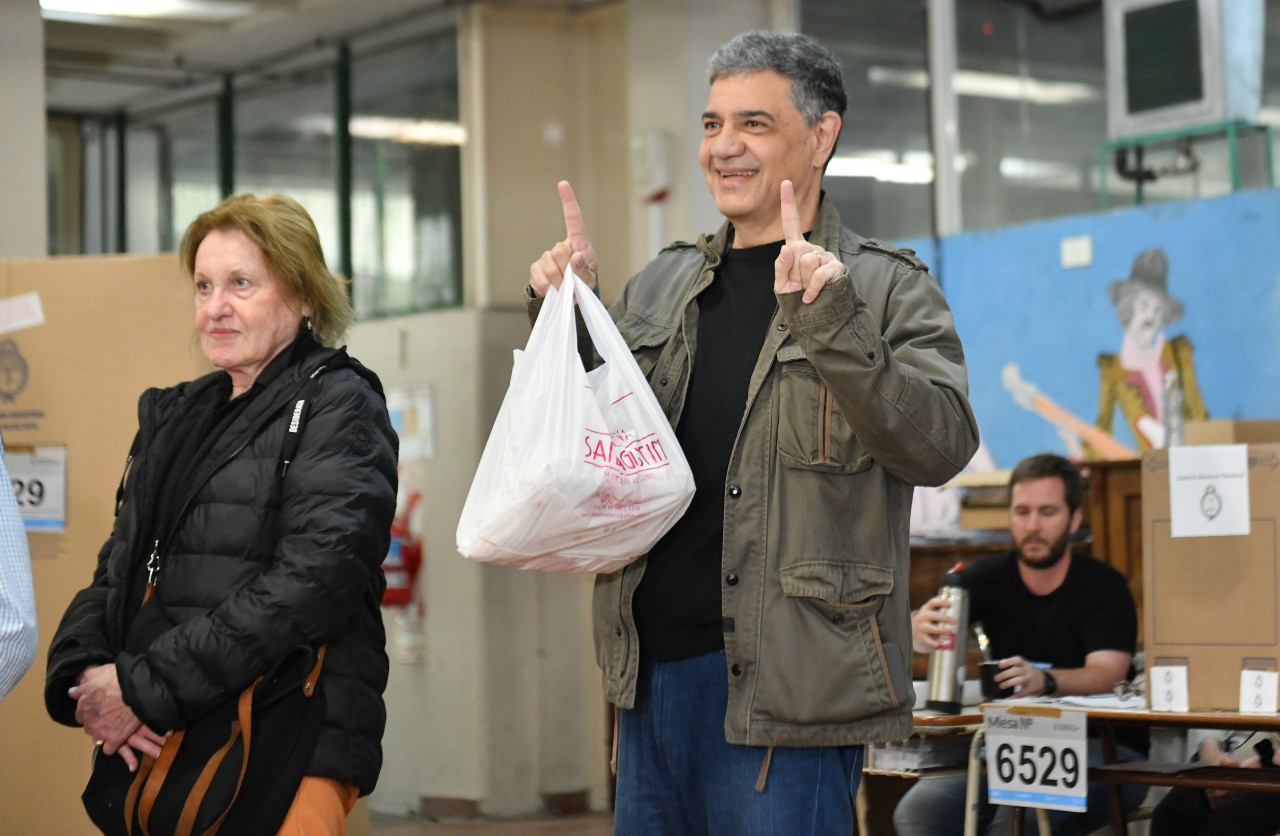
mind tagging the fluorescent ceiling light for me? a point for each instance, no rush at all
(207, 10)
(1019, 168)
(888, 166)
(408, 131)
(875, 166)
(412, 131)
(991, 86)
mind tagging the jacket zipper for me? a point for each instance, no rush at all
(154, 561)
(824, 423)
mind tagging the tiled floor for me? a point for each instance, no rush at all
(590, 825)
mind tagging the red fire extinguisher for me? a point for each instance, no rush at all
(404, 558)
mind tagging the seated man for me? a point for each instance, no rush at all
(1186, 811)
(1061, 623)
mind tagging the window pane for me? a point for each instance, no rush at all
(172, 171)
(284, 145)
(881, 175)
(406, 195)
(1032, 100)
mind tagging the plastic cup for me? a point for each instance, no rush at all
(991, 689)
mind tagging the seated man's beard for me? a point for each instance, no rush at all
(1057, 550)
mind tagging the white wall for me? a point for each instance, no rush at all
(23, 216)
(668, 45)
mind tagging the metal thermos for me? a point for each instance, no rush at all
(946, 662)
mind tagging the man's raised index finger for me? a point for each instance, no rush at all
(573, 223)
(791, 227)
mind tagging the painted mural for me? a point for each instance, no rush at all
(1101, 335)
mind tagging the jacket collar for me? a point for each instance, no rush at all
(826, 230)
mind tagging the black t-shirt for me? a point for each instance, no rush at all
(677, 605)
(1092, 610)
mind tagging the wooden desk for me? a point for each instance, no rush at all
(1180, 774)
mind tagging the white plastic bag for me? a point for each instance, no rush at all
(582, 471)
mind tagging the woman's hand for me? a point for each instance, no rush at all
(929, 622)
(108, 721)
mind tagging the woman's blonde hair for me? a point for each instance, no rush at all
(290, 245)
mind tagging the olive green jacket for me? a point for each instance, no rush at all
(854, 399)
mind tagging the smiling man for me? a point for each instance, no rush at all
(813, 377)
(1061, 623)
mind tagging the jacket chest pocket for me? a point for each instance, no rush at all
(812, 431)
(646, 341)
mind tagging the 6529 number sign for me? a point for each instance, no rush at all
(1036, 760)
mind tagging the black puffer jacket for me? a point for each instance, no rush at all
(256, 565)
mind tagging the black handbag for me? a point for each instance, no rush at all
(237, 769)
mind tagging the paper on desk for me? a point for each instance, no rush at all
(1129, 702)
(1209, 490)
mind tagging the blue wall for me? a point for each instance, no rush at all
(1015, 303)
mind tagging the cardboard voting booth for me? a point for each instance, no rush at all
(80, 339)
(1211, 565)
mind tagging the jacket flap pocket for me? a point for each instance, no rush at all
(837, 582)
(790, 353)
(640, 333)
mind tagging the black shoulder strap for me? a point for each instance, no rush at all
(297, 418)
(128, 465)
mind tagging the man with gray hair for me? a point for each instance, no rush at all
(813, 378)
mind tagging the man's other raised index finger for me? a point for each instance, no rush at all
(791, 226)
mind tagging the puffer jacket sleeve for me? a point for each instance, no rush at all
(897, 371)
(337, 506)
(80, 641)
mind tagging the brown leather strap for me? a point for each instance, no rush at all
(155, 780)
(246, 729)
(131, 797)
(151, 775)
(309, 687)
(187, 819)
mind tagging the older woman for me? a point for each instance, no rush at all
(228, 551)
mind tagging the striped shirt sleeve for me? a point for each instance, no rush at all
(17, 596)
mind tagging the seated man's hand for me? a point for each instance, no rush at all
(1016, 672)
(929, 622)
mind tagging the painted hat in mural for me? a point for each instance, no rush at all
(1150, 272)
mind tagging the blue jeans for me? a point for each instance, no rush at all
(935, 806)
(678, 777)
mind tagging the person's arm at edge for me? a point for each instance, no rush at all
(18, 631)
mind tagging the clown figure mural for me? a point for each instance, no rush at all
(1153, 378)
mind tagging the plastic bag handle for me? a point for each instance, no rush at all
(555, 320)
(604, 334)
